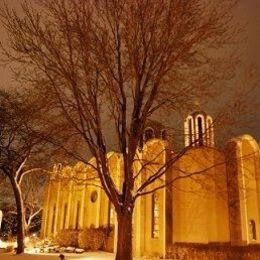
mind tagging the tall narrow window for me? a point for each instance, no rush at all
(164, 134)
(53, 219)
(252, 229)
(77, 215)
(155, 215)
(210, 132)
(148, 134)
(111, 220)
(111, 215)
(190, 131)
(200, 130)
(141, 143)
(65, 215)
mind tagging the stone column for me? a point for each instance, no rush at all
(82, 209)
(67, 222)
(57, 215)
(98, 207)
(46, 212)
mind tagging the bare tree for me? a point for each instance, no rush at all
(18, 144)
(114, 64)
(33, 186)
(7, 205)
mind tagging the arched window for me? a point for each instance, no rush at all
(164, 134)
(148, 134)
(111, 215)
(93, 196)
(209, 131)
(252, 229)
(65, 215)
(155, 215)
(141, 143)
(190, 131)
(77, 216)
(111, 218)
(59, 167)
(53, 218)
(200, 131)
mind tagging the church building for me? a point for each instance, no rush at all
(213, 194)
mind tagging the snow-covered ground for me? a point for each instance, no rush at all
(84, 256)
(68, 256)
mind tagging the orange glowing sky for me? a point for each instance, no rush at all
(248, 11)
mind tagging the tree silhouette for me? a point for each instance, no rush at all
(114, 64)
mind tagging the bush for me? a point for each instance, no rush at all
(67, 237)
(9, 249)
(92, 238)
(109, 244)
(31, 242)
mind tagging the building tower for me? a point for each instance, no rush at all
(198, 130)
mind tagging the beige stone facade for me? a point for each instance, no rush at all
(214, 196)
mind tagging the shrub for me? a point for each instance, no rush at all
(92, 238)
(67, 237)
(109, 244)
(9, 249)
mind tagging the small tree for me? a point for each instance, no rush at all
(32, 189)
(33, 186)
(19, 142)
(7, 205)
(120, 61)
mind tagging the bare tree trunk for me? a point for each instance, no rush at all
(124, 237)
(19, 216)
(26, 229)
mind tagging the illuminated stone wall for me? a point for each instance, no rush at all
(243, 164)
(216, 200)
(74, 199)
(200, 204)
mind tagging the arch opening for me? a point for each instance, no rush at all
(200, 132)
(252, 229)
(164, 134)
(155, 215)
(190, 131)
(148, 134)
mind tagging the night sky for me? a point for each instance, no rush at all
(248, 12)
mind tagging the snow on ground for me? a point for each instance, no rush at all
(84, 256)
(55, 256)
